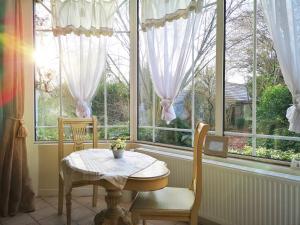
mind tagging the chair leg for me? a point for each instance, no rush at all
(68, 207)
(95, 195)
(194, 219)
(60, 196)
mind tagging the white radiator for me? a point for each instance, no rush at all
(235, 197)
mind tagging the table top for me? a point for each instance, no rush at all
(98, 166)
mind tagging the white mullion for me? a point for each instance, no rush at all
(133, 77)
(254, 94)
(193, 84)
(169, 129)
(219, 110)
(153, 113)
(105, 106)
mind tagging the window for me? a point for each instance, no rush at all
(196, 102)
(256, 97)
(52, 97)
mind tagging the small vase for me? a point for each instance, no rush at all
(118, 153)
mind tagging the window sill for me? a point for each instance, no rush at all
(261, 168)
(250, 165)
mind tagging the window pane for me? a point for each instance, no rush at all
(121, 22)
(42, 17)
(145, 88)
(116, 132)
(98, 103)
(239, 65)
(240, 145)
(205, 65)
(117, 80)
(174, 137)
(101, 133)
(277, 149)
(47, 87)
(273, 96)
(46, 134)
(145, 134)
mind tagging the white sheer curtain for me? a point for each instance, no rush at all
(83, 61)
(82, 26)
(283, 18)
(169, 47)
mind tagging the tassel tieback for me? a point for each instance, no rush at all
(22, 130)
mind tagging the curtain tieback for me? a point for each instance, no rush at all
(296, 102)
(22, 130)
(168, 113)
(166, 103)
(83, 109)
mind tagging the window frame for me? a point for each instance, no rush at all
(220, 89)
(105, 126)
(253, 135)
(219, 74)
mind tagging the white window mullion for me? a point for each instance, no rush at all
(105, 106)
(219, 110)
(193, 84)
(133, 21)
(153, 113)
(254, 94)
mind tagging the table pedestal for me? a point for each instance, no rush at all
(114, 214)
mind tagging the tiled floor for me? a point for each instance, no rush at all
(82, 213)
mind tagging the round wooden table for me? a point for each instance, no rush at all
(154, 177)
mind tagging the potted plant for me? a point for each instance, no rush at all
(118, 147)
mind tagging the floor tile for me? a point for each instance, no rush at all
(19, 219)
(81, 213)
(55, 220)
(54, 203)
(51, 200)
(43, 213)
(96, 209)
(86, 201)
(86, 221)
(41, 203)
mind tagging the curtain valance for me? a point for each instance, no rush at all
(88, 17)
(155, 13)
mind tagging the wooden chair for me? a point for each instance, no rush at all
(79, 128)
(171, 203)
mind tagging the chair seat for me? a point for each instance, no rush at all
(169, 199)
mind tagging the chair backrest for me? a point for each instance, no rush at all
(79, 133)
(199, 138)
